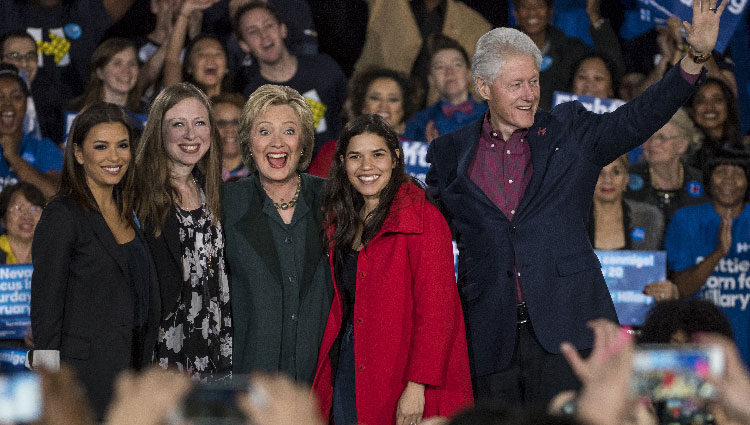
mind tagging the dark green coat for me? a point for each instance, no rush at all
(255, 271)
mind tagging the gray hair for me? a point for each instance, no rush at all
(495, 46)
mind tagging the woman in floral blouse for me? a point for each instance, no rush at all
(178, 182)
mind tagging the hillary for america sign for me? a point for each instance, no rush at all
(658, 11)
(626, 274)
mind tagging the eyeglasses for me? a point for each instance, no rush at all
(19, 210)
(30, 56)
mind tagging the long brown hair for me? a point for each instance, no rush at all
(73, 180)
(155, 193)
(99, 59)
(342, 202)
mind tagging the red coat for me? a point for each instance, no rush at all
(408, 322)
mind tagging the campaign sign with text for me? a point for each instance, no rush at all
(15, 298)
(415, 162)
(597, 105)
(658, 11)
(70, 116)
(626, 274)
(12, 359)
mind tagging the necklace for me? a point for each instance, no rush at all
(293, 202)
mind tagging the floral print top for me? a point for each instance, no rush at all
(195, 335)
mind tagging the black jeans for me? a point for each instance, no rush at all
(344, 399)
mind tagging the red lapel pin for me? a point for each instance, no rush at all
(542, 131)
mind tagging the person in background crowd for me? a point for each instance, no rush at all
(318, 78)
(152, 48)
(205, 60)
(516, 188)
(21, 206)
(177, 199)
(227, 108)
(560, 52)
(400, 332)
(114, 75)
(708, 243)
(19, 48)
(398, 32)
(678, 321)
(450, 76)
(618, 223)
(100, 326)
(665, 180)
(66, 32)
(593, 75)
(715, 112)
(281, 285)
(24, 158)
(375, 91)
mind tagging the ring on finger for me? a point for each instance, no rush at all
(712, 9)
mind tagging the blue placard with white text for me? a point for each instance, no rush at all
(415, 162)
(12, 359)
(598, 105)
(658, 11)
(626, 274)
(15, 298)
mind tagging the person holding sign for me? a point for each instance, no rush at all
(94, 293)
(517, 186)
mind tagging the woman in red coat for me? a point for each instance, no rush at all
(394, 349)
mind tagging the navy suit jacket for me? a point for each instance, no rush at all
(548, 238)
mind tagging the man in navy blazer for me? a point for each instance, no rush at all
(516, 187)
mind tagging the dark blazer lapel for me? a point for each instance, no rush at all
(254, 227)
(171, 234)
(541, 145)
(313, 239)
(107, 239)
(467, 148)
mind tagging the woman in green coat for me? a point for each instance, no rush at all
(279, 275)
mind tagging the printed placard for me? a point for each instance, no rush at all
(15, 299)
(626, 274)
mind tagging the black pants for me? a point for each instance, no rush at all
(344, 399)
(533, 377)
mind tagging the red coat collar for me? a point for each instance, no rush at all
(405, 214)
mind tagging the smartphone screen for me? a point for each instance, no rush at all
(214, 403)
(668, 371)
(20, 397)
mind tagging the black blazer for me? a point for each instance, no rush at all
(548, 239)
(81, 300)
(166, 252)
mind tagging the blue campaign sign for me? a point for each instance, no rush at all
(658, 11)
(15, 298)
(597, 105)
(12, 359)
(626, 274)
(415, 162)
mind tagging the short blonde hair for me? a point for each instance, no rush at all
(685, 125)
(268, 95)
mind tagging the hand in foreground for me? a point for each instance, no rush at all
(703, 31)
(605, 374)
(662, 290)
(276, 400)
(411, 404)
(64, 399)
(734, 383)
(147, 398)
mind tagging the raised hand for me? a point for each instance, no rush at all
(703, 31)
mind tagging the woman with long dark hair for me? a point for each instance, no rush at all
(94, 297)
(394, 349)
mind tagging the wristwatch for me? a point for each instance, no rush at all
(698, 57)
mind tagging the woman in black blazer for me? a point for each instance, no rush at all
(94, 297)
